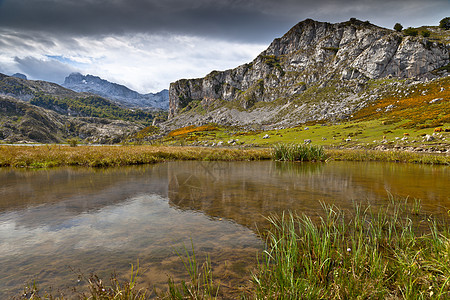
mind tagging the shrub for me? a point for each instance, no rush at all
(425, 33)
(445, 23)
(398, 27)
(72, 142)
(411, 31)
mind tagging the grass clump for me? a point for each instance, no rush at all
(97, 289)
(298, 152)
(72, 142)
(384, 254)
(201, 284)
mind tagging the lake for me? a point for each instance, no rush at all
(59, 223)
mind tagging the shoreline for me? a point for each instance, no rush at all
(47, 156)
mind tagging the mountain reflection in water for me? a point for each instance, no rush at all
(104, 219)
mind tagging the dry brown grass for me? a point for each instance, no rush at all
(110, 156)
(388, 156)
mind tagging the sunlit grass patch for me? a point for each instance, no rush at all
(421, 106)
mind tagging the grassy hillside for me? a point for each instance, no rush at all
(402, 116)
(67, 102)
(91, 106)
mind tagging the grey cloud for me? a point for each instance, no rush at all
(10, 40)
(251, 20)
(48, 70)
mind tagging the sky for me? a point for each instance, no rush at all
(146, 44)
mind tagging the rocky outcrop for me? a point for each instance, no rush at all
(119, 93)
(312, 56)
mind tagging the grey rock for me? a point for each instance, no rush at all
(310, 54)
(428, 138)
(436, 100)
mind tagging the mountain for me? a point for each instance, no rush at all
(68, 102)
(316, 71)
(119, 93)
(22, 122)
(20, 75)
(40, 111)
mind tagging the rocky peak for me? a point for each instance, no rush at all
(74, 78)
(315, 54)
(19, 75)
(117, 92)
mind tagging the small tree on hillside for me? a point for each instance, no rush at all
(398, 27)
(445, 23)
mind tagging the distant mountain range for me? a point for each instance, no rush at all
(45, 112)
(116, 92)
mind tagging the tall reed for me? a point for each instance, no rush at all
(298, 152)
(371, 254)
(201, 284)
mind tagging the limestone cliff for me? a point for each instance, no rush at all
(312, 55)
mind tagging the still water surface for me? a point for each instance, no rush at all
(58, 223)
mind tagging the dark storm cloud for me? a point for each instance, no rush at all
(84, 17)
(251, 20)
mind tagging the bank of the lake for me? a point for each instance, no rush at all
(113, 156)
(45, 156)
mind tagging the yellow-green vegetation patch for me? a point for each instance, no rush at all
(367, 134)
(110, 156)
